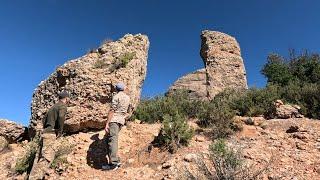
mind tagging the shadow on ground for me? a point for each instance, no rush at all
(97, 152)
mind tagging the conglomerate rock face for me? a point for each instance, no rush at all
(194, 83)
(90, 81)
(224, 68)
(12, 131)
(224, 64)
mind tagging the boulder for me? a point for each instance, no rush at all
(3, 143)
(12, 131)
(224, 64)
(194, 83)
(286, 111)
(90, 81)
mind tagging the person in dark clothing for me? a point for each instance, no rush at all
(52, 130)
(55, 117)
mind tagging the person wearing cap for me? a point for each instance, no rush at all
(53, 123)
(116, 119)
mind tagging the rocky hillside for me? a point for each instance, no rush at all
(286, 149)
(90, 79)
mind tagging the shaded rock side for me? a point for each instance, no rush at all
(224, 64)
(12, 131)
(90, 80)
(194, 83)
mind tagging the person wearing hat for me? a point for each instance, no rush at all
(116, 119)
(53, 123)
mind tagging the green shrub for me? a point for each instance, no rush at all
(124, 59)
(304, 68)
(153, 109)
(25, 162)
(218, 114)
(227, 162)
(306, 96)
(256, 102)
(100, 64)
(174, 133)
(60, 160)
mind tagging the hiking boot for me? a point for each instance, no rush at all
(111, 167)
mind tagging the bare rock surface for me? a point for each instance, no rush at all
(90, 80)
(194, 83)
(12, 131)
(224, 64)
(3, 143)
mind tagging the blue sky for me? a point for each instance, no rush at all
(38, 36)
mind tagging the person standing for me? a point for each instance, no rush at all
(116, 119)
(52, 129)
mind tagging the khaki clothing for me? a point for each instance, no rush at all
(55, 117)
(120, 105)
(112, 140)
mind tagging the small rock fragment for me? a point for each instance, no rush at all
(292, 129)
(200, 138)
(190, 157)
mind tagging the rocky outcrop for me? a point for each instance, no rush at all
(3, 143)
(286, 111)
(12, 131)
(194, 83)
(224, 64)
(224, 68)
(90, 80)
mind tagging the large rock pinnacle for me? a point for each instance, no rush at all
(224, 64)
(90, 80)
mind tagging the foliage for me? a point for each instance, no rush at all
(305, 95)
(153, 109)
(25, 162)
(60, 161)
(218, 114)
(124, 59)
(297, 79)
(174, 133)
(119, 62)
(256, 102)
(100, 64)
(304, 68)
(226, 161)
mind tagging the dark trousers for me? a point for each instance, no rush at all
(112, 140)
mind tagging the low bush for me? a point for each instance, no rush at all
(125, 58)
(174, 133)
(25, 162)
(256, 102)
(59, 162)
(100, 64)
(153, 109)
(218, 114)
(225, 163)
(305, 95)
